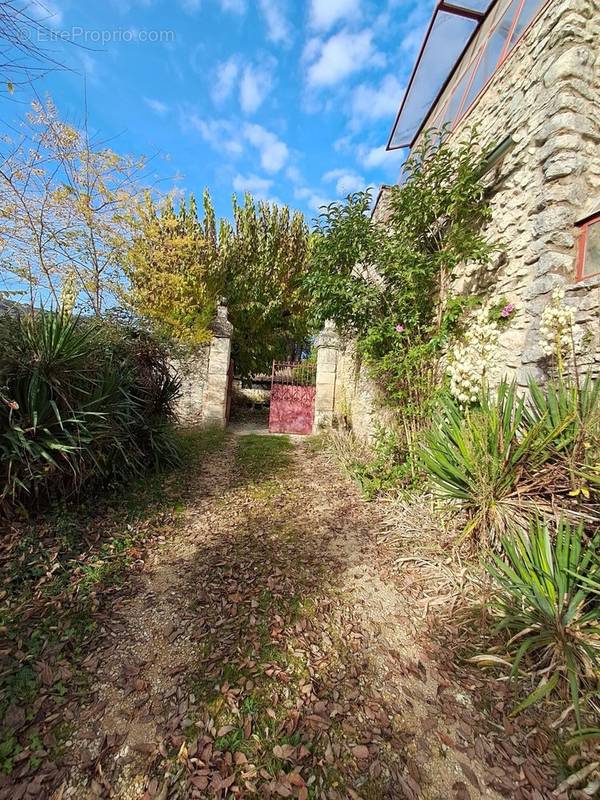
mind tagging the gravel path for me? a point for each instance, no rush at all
(265, 651)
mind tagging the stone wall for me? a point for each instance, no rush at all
(205, 376)
(345, 396)
(358, 402)
(193, 371)
(546, 96)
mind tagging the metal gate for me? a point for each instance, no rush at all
(293, 390)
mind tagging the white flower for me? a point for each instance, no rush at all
(471, 358)
(556, 326)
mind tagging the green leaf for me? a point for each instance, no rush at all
(538, 694)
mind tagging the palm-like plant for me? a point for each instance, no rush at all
(488, 460)
(574, 409)
(79, 400)
(546, 601)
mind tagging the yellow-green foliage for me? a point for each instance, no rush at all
(65, 201)
(172, 266)
(263, 269)
(179, 266)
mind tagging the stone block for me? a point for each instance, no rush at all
(544, 285)
(552, 262)
(562, 165)
(576, 62)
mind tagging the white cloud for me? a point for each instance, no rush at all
(340, 56)
(373, 157)
(324, 13)
(411, 43)
(278, 30)
(225, 79)
(235, 6)
(414, 30)
(190, 6)
(345, 181)
(254, 87)
(272, 151)
(343, 144)
(254, 184)
(312, 49)
(220, 134)
(293, 174)
(313, 199)
(89, 66)
(157, 106)
(226, 135)
(371, 102)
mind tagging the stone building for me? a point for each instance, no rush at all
(526, 73)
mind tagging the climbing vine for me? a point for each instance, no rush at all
(386, 285)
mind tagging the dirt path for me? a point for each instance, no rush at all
(264, 651)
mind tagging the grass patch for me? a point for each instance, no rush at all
(57, 571)
(198, 442)
(259, 457)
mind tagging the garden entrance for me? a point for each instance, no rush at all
(293, 389)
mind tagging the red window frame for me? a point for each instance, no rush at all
(471, 70)
(584, 227)
(474, 66)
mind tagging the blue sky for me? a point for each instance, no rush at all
(291, 100)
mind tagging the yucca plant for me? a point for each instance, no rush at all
(572, 407)
(80, 401)
(488, 461)
(545, 600)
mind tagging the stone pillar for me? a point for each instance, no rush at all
(327, 344)
(214, 410)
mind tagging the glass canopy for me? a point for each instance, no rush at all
(451, 29)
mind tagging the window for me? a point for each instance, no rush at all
(490, 54)
(588, 250)
(499, 41)
(527, 13)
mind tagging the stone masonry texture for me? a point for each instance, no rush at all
(546, 96)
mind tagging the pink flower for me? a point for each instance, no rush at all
(507, 310)
(399, 328)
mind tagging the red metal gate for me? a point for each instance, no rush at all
(293, 390)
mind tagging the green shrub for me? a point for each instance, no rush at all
(387, 469)
(487, 460)
(547, 601)
(381, 283)
(80, 401)
(574, 410)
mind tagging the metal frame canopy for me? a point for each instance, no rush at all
(451, 30)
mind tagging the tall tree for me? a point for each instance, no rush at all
(65, 202)
(179, 266)
(263, 262)
(172, 268)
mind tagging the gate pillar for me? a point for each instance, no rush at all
(327, 344)
(214, 410)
